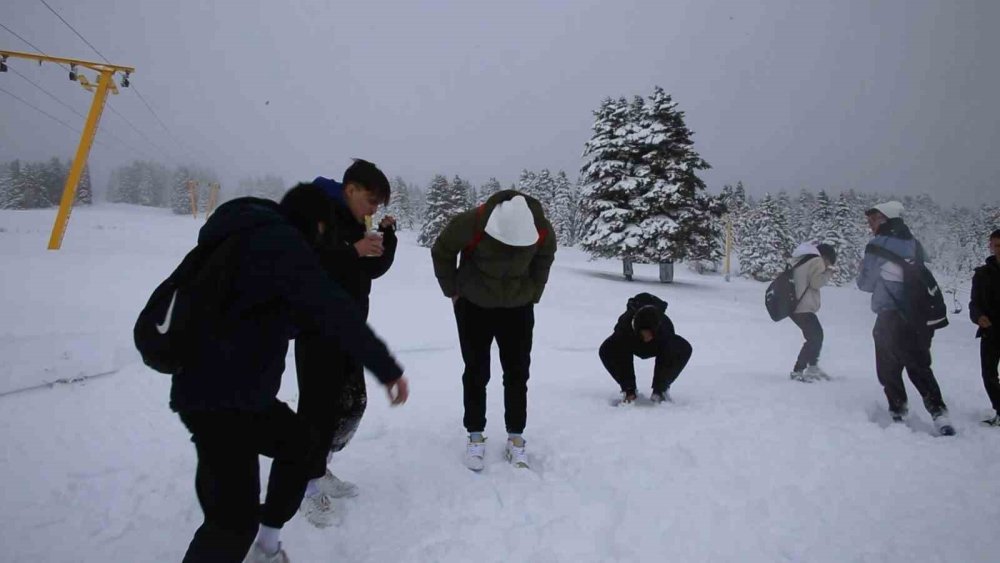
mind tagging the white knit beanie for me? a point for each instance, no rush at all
(891, 209)
(512, 223)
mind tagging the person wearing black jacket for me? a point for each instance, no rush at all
(984, 310)
(332, 394)
(268, 287)
(644, 330)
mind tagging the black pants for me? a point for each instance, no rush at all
(227, 481)
(332, 396)
(989, 354)
(812, 331)
(512, 328)
(899, 346)
(619, 360)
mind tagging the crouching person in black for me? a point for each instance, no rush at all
(267, 285)
(644, 330)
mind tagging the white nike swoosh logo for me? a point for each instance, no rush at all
(165, 327)
(933, 291)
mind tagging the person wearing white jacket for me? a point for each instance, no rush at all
(812, 268)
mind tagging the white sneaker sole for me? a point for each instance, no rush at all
(517, 464)
(323, 518)
(344, 490)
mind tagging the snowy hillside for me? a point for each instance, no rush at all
(744, 466)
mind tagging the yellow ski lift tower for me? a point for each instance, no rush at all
(105, 82)
(213, 198)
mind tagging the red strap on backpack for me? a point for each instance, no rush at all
(542, 233)
(477, 236)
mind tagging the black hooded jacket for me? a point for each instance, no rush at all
(986, 297)
(340, 259)
(268, 288)
(626, 335)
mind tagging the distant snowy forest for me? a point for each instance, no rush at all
(638, 197)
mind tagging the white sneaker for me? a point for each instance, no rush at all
(943, 425)
(336, 487)
(516, 454)
(320, 510)
(474, 454)
(257, 555)
(800, 376)
(627, 399)
(658, 398)
(815, 372)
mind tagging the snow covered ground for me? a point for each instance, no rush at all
(744, 466)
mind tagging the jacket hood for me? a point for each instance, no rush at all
(332, 188)
(805, 249)
(895, 228)
(239, 215)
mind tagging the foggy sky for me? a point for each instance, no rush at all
(782, 94)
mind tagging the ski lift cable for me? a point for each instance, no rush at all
(63, 123)
(137, 92)
(73, 29)
(28, 43)
(111, 108)
(121, 141)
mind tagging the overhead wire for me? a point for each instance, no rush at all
(29, 43)
(39, 110)
(140, 133)
(47, 93)
(133, 87)
(133, 151)
(121, 141)
(159, 149)
(73, 29)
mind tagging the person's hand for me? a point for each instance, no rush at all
(370, 245)
(398, 391)
(984, 322)
(387, 222)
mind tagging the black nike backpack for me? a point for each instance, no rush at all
(923, 304)
(166, 326)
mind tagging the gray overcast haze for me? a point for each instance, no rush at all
(782, 94)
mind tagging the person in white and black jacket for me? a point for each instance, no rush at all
(813, 267)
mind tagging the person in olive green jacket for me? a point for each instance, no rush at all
(507, 248)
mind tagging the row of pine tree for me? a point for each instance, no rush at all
(638, 198)
(767, 229)
(37, 185)
(154, 185)
(559, 197)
